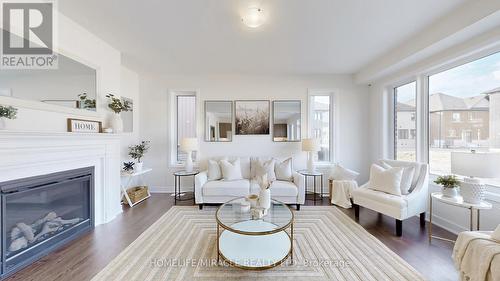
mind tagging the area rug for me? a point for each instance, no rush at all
(328, 246)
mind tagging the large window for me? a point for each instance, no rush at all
(185, 107)
(405, 131)
(321, 113)
(464, 111)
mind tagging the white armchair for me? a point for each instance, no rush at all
(398, 207)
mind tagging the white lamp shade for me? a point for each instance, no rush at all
(477, 164)
(189, 144)
(310, 145)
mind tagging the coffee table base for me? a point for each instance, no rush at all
(254, 252)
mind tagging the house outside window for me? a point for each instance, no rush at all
(321, 112)
(405, 126)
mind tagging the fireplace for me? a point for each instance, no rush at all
(40, 214)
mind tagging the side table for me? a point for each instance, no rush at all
(177, 188)
(129, 177)
(458, 202)
(314, 175)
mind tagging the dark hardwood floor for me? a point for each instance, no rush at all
(88, 255)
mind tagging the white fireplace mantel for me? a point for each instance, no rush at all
(27, 154)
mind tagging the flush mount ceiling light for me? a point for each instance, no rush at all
(253, 18)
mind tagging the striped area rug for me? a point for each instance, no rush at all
(328, 246)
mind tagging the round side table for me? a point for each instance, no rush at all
(314, 175)
(458, 202)
(177, 188)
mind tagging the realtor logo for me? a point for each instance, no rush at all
(28, 35)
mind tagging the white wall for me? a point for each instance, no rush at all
(76, 42)
(352, 104)
(130, 89)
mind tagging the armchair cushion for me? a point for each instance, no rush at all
(386, 180)
(407, 179)
(382, 197)
(420, 170)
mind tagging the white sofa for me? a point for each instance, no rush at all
(220, 191)
(398, 207)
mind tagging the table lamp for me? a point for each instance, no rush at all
(475, 165)
(311, 146)
(189, 145)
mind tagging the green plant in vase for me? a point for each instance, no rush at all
(450, 184)
(137, 152)
(7, 112)
(118, 106)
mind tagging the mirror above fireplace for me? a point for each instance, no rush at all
(71, 85)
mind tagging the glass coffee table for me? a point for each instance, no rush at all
(255, 244)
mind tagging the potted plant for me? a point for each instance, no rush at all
(6, 112)
(117, 106)
(137, 152)
(128, 166)
(450, 185)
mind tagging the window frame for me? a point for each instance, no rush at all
(333, 118)
(394, 115)
(172, 123)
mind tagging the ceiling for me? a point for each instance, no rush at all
(298, 37)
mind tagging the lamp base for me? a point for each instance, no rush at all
(472, 192)
(310, 163)
(188, 166)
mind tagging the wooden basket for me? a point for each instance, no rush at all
(137, 193)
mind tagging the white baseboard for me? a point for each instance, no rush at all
(448, 225)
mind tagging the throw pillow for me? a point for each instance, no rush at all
(231, 170)
(386, 180)
(283, 170)
(407, 178)
(338, 172)
(263, 167)
(214, 172)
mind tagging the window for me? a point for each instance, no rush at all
(321, 107)
(464, 111)
(405, 122)
(402, 134)
(185, 127)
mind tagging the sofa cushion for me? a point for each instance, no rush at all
(227, 188)
(381, 197)
(278, 189)
(260, 167)
(231, 170)
(283, 169)
(214, 171)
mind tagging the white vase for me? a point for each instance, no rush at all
(138, 166)
(265, 198)
(117, 123)
(450, 192)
